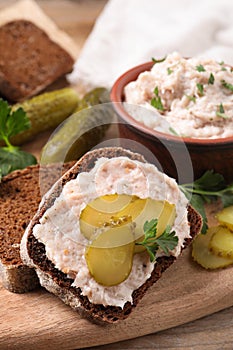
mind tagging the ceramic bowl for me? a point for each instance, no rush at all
(175, 154)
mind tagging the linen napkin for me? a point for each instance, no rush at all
(130, 32)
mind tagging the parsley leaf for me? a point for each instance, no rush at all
(211, 79)
(12, 123)
(173, 131)
(208, 188)
(200, 88)
(191, 98)
(169, 71)
(158, 60)
(166, 241)
(221, 112)
(227, 85)
(200, 68)
(156, 101)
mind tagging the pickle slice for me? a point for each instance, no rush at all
(164, 211)
(104, 209)
(225, 217)
(221, 243)
(202, 254)
(110, 256)
(101, 211)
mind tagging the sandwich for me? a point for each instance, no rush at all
(106, 231)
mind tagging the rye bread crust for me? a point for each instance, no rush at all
(33, 252)
(20, 196)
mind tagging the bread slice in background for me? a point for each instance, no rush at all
(30, 61)
(33, 252)
(20, 195)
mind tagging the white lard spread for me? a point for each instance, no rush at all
(65, 245)
(188, 111)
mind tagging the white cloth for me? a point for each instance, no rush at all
(130, 32)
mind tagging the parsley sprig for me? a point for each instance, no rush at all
(166, 241)
(200, 89)
(221, 112)
(156, 101)
(227, 85)
(12, 123)
(200, 68)
(208, 188)
(155, 60)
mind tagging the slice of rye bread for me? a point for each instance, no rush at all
(30, 60)
(20, 196)
(33, 252)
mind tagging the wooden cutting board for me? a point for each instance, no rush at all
(39, 320)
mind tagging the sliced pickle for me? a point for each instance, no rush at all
(161, 210)
(225, 217)
(111, 203)
(110, 256)
(202, 254)
(102, 210)
(221, 243)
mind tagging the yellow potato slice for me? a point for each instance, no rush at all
(225, 217)
(202, 254)
(221, 243)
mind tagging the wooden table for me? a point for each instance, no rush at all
(209, 333)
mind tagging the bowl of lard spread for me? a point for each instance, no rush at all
(178, 104)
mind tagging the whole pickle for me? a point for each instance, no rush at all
(81, 131)
(46, 111)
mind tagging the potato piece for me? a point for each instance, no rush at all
(110, 256)
(221, 243)
(225, 217)
(203, 256)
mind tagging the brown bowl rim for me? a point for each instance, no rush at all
(116, 98)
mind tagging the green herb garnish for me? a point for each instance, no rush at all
(200, 68)
(169, 71)
(158, 60)
(227, 85)
(207, 189)
(211, 79)
(156, 101)
(173, 131)
(221, 112)
(200, 88)
(191, 98)
(166, 241)
(12, 123)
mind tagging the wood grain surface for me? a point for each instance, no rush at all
(186, 292)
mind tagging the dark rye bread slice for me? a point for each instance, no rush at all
(29, 60)
(33, 252)
(20, 195)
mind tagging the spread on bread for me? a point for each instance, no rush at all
(68, 245)
(59, 228)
